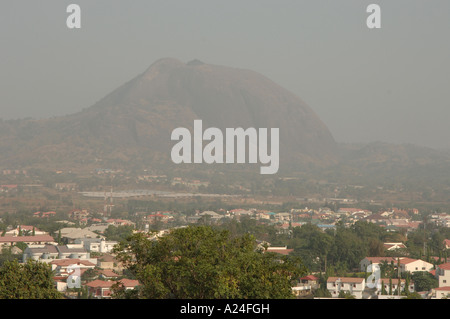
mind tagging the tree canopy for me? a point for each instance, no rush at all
(205, 263)
(32, 280)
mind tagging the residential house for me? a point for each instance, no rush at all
(60, 266)
(98, 228)
(406, 264)
(241, 212)
(48, 252)
(73, 251)
(102, 289)
(29, 240)
(443, 274)
(44, 214)
(98, 245)
(395, 283)
(376, 261)
(43, 252)
(26, 230)
(283, 217)
(440, 293)
(212, 215)
(305, 286)
(8, 188)
(394, 246)
(120, 222)
(158, 217)
(108, 274)
(413, 265)
(279, 250)
(66, 186)
(352, 211)
(78, 214)
(109, 262)
(70, 234)
(377, 219)
(354, 286)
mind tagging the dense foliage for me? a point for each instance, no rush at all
(32, 280)
(205, 263)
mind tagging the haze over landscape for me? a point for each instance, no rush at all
(386, 85)
(224, 150)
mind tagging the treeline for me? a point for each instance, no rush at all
(339, 251)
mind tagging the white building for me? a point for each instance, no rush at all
(406, 264)
(386, 282)
(394, 246)
(25, 229)
(98, 245)
(47, 253)
(71, 234)
(355, 286)
(60, 266)
(44, 252)
(413, 265)
(440, 293)
(376, 261)
(443, 274)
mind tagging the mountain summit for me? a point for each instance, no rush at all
(135, 121)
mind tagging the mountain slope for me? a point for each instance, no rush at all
(135, 121)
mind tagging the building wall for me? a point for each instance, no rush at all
(440, 294)
(355, 289)
(443, 276)
(418, 265)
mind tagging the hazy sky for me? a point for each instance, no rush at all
(390, 84)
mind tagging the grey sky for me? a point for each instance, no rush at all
(366, 85)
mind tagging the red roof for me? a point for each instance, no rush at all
(108, 273)
(18, 239)
(8, 186)
(406, 260)
(309, 277)
(130, 283)
(445, 266)
(280, 251)
(100, 283)
(377, 260)
(446, 288)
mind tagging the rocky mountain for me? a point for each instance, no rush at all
(133, 124)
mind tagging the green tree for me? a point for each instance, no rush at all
(424, 281)
(312, 244)
(407, 282)
(348, 249)
(346, 295)
(118, 233)
(206, 263)
(59, 240)
(414, 295)
(32, 280)
(390, 286)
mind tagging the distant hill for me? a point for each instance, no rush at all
(133, 124)
(131, 128)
